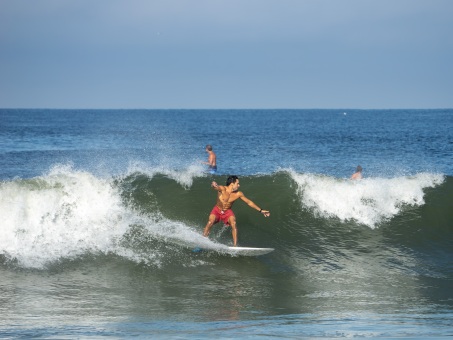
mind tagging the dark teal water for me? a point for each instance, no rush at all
(100, 211)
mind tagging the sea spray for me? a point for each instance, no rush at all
(369, 201)
(68, 213)
(184, 176)
(61, 214)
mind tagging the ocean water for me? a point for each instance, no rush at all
(101, 210)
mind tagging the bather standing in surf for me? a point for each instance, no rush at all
(212, 160)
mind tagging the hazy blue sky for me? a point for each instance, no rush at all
(226, 54)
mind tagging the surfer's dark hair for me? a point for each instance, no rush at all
(209, 147)
(231, 179)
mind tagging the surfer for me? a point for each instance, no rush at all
(212, 160)
(222, 210)
(358, 173)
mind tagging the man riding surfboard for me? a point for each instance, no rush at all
(226, 196)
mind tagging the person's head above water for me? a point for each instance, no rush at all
(231, 179)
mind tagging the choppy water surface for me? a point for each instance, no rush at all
(101, 209)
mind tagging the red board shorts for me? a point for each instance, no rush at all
(222, 215)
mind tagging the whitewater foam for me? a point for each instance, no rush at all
(184, 177)
(67, 213)
(369, 201)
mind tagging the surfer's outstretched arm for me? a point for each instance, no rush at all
(251, 204)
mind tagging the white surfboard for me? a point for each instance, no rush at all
(248, 251)
(238, 251)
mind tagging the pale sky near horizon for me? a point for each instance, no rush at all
(172, 54)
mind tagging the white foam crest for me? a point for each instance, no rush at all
(369, 201)
(68, 213)
(184, 177)
(62, 214)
